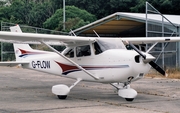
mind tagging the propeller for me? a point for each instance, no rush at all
(152, 63)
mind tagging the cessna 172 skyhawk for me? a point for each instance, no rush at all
(102, 60)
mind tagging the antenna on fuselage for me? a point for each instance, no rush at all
(96, 34)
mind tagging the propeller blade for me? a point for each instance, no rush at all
(137, 50)
(159, 69)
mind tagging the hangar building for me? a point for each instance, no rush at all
(123, 24)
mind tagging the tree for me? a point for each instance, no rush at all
(140, 7)
(39, 13)
(75, 18)
(17, 12)
(102, 8)
(164, 6)
(2, 3)
(29, 12)
(176, 7)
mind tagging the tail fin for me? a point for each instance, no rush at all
(19, 48)
(15, 29)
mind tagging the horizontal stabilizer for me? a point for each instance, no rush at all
(13, 63)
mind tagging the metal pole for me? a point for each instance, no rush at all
(146, 19)
(146, 24)
(1, 51)
(64, 16)
(163, 64)
(177, 49)
(1, 45)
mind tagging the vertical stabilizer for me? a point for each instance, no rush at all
(19, 48)
(16, 29)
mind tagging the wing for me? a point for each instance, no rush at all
(145, 40)
(32, 37)
(13, 63)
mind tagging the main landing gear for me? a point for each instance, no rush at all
(62, 90)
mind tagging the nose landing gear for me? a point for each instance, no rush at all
(125, 91)
(128, 93)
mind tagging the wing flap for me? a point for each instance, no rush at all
(13, 63)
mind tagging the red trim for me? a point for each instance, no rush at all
(30, 52)
(24, 51)
(66, 67)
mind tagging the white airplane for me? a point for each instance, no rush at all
(102, 60)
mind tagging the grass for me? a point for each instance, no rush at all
(172, 74)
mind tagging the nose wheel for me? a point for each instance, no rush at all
(62, 97)
(129, 99)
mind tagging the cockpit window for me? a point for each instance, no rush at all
(83, 51)
(70, 53)
(97, 49)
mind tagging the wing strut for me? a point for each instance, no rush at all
(77, 65)
(151, 47)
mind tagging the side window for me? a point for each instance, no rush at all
(83, 51)
(70, 53)
(97, 49)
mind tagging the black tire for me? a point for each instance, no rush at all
(62, 96)
(129, 99)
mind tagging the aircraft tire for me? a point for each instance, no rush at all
(62, 96)
(129, 99)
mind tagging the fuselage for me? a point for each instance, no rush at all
(113, 65)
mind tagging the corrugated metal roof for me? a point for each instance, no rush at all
(120, 22)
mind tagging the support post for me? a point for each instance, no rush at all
(64, 15)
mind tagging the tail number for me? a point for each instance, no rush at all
(41, 64)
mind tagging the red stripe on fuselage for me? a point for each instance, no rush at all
(66, 67)
(70, 68)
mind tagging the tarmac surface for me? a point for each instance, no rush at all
(27, 91)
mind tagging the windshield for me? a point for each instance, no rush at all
(107, 43)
